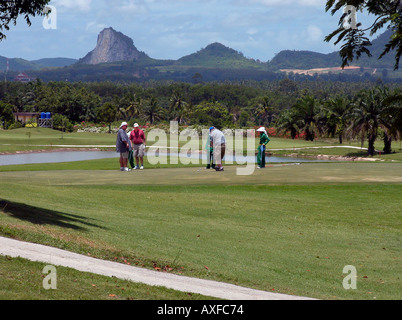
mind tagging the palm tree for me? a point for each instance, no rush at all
(264, 111)
(336, 113)
(370, 113)
(306, 110)
(394, 103)
(287, 122)
(135, 108)
(178, 107)
(152, 110)
(391, 118)
(132, 108)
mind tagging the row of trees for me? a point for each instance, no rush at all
(309, 109)
(363, 117)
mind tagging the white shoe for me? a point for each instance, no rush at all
(127, 169)
(142, 168)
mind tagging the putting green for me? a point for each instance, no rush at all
(309, 173)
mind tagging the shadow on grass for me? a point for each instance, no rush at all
(42, 216)
(364, 154)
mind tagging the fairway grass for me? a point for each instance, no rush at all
(285, 229)
(275, 174)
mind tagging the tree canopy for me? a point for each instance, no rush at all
(355, 42)
(10, 10)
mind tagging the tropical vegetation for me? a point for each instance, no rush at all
(307, 110)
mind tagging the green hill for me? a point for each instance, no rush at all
(17, 64)
(55, 62)
(376, 50)
(216, 55)
(293, 59)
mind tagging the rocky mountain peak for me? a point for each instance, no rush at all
(112, 46)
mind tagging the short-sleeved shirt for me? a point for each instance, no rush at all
(217, 137)
(137, 137)
(120, 141)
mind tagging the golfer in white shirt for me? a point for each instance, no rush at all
(219, 144)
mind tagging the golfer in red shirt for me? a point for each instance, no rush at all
(137, 138)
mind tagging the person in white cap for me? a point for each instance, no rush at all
(137, 138)
(123, 147)
(264, 140)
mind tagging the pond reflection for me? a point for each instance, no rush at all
(72, 156)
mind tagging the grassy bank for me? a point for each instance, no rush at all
(283, 229)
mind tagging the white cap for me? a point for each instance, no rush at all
(262, 129)
(136, 125)
(124, 124)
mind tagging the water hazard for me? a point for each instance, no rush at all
(72, 156)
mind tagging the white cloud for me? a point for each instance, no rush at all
(315, 3)
(314, 34)
(95, 27)
(252, 31)
(307, 3)
(80, 5)
(133, 6)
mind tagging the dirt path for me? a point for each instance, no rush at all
(57, 257)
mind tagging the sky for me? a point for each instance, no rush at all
(171, 29)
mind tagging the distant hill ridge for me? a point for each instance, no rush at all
(119, 51)
(18, 64)
(54, 62)
(292, 59)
